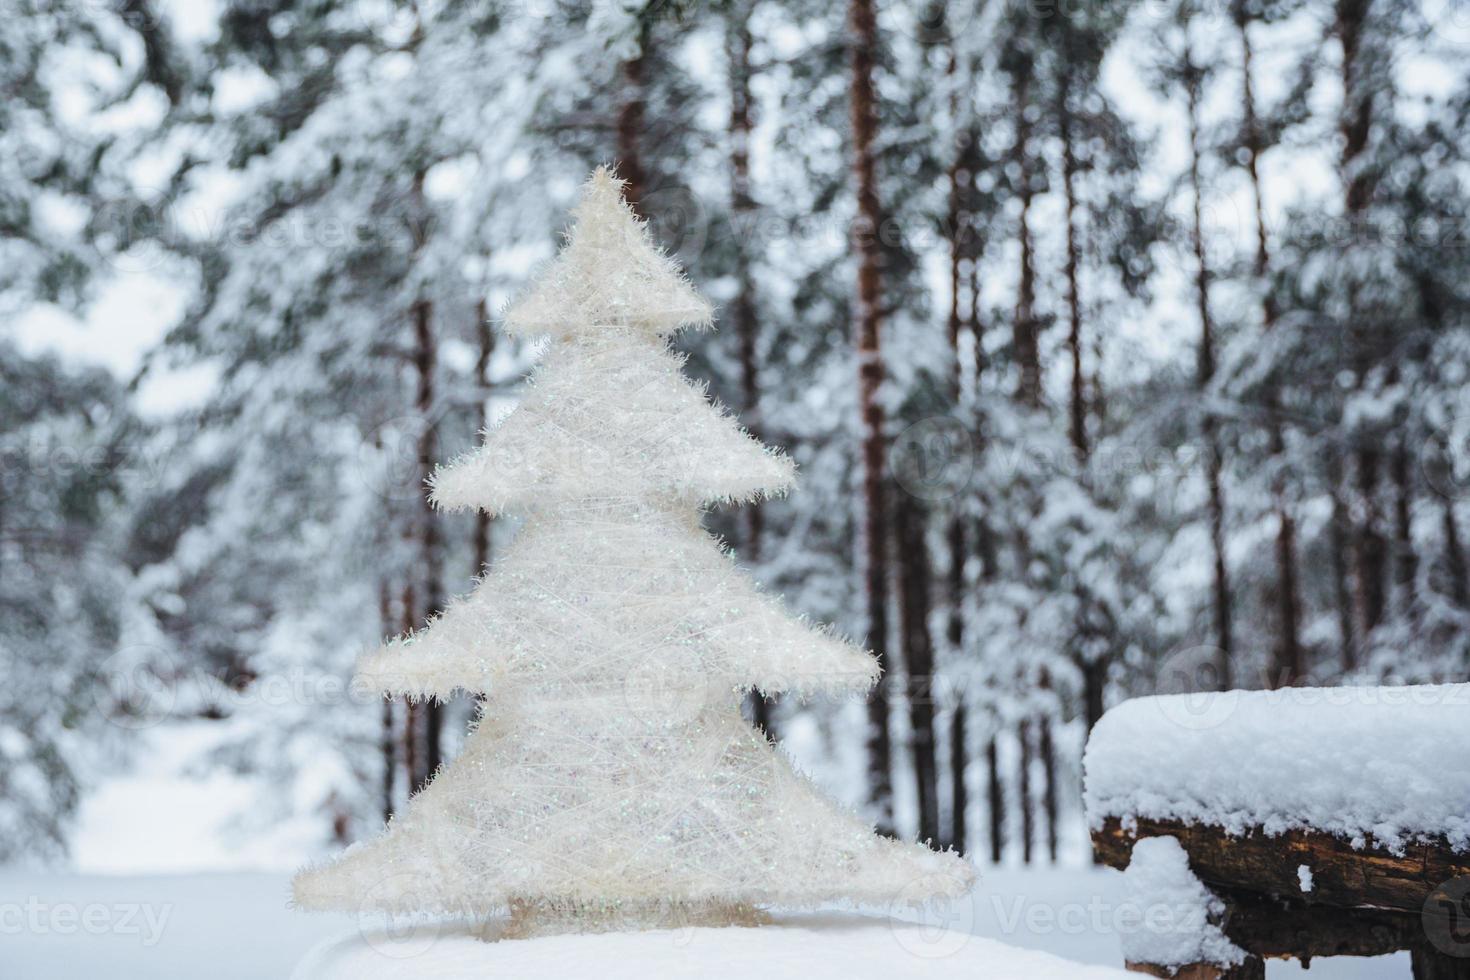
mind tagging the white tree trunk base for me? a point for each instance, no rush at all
(530, 919)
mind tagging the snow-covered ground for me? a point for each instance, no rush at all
(238, 926)
(805, 947)
(172, 809)
(118, 918)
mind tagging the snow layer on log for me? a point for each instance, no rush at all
(1382, 764)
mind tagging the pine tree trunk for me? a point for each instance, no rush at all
(1077, 427)
(1287, 663)
(1026, 343)
(1354, 126)
(1288, 649)
(977, 330)
(388, 741)
(1026, 327)
(955, 535)
(1206, 372)
(956, 260)
(630, 121)
(486, 338)
(1369, 549)
(1253, 149)
(1028, 393)
(423, 722)
(959, 758)
(1405, 564)
(984, 538)
(995, 800)
(431, 552)
(1023, 789)
(863, 31)
(1094, 683)
(388, 745)
(1094, 680)
(1338, 545)
(742, 310)
(412, 710)
(918, 656)
(959, 765)
(1049, 791)
(161, 61)
(1454, 554)
(484, 522)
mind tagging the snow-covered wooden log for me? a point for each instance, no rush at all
(1258, 881)
(1321, 822)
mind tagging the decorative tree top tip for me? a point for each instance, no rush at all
(610, 274)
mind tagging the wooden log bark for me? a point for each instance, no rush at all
(1275, 929)
(1342, 876)
(1432, 964)
(1268, 928)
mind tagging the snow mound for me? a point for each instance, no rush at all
(805, 947)
(1179, 914)
(1386, 764)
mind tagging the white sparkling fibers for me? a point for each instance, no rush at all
(612, 782)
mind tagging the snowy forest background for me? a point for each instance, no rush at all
(1138, 364)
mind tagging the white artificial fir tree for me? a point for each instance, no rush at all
(611, 781)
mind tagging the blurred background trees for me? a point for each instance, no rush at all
(1122, 348)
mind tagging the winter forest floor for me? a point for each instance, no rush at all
(236, 926)
(213, 912)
